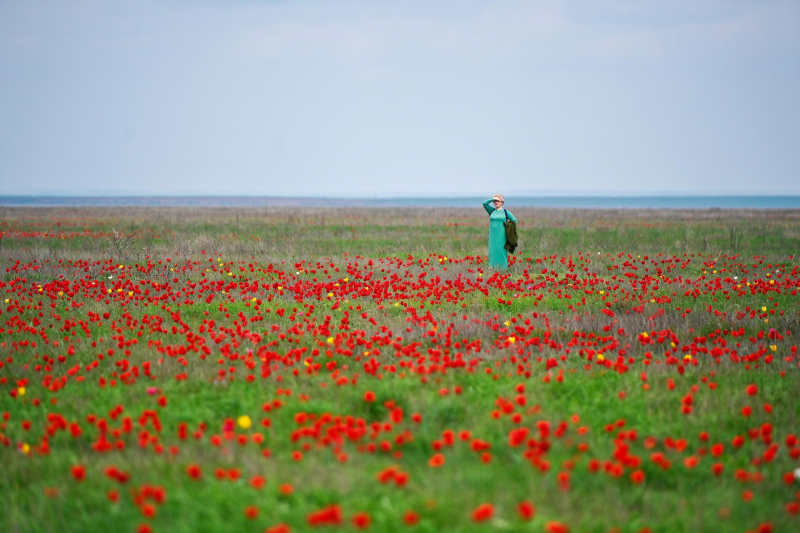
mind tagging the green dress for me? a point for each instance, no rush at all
(498, 255)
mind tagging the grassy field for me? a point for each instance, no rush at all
(201, 369)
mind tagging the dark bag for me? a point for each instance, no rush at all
(511, 234)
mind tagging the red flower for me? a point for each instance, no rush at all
(410, 518)
(251, 512)
(194, 471)
(563, 481)
(279, 528)
(78, 472)
(327, 516)
(526, 510)
(483, 512)
(436, 461)
(361, 520)
(636, 477)
(369, 396)
(556, 527)
(752, 390)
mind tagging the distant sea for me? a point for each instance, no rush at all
(595, 202)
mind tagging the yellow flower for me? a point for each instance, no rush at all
(255, 299)
(645, 335)
(21, 391)
(773, 347)
(764, 309)
(244, 422)
(687, 357)
(600, 357)
(507, 323)
(26, 449)
(121, 267)
(230, 273)
(602, 292)
(330, 295)
(512, 340)
(330, 340)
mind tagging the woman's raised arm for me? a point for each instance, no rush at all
(489, 208)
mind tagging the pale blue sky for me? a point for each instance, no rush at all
(411, 98)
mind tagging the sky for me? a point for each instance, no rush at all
(357, 98)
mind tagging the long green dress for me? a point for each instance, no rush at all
(498, 255)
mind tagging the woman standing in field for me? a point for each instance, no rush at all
(498, 255)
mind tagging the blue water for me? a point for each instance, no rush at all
(596, 202)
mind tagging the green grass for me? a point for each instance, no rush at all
(41, 494)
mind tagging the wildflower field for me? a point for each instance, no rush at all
(298, 369)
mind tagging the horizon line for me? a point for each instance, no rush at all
(401, 197)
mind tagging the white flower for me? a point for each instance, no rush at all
(797, 474)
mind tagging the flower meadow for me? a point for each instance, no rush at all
(174, 370)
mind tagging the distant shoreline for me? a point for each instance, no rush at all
(594, 202)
